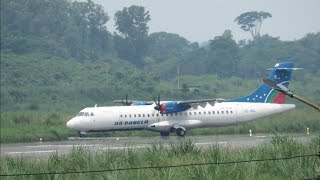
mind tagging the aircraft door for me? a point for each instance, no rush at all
(239, 113)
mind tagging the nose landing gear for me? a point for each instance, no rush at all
(82, 134)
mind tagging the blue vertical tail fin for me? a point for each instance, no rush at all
(281, 73)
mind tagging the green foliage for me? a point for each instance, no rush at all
(57, 27)
(252, 21)
(44, 92)
(163, 46)
(58, 57)
(185, 152)
(223, 55)
(132, 24)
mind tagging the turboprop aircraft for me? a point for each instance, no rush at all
(167, 117)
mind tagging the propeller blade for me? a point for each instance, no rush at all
(127, 100)
(158, 105)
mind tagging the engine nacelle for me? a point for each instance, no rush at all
(173, 107)
(163, 126)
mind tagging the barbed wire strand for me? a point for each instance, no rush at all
(162, 167)
(315, 178)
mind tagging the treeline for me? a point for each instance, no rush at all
(57, 27)
(71, 29)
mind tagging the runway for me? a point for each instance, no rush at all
(44, 149)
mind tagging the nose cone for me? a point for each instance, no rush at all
(71, 124)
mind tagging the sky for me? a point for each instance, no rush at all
(202, 20)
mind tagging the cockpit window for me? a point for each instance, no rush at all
(81, 114)
(92, 114)
(86, 114)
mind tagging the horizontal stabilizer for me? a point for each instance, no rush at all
(283, 69)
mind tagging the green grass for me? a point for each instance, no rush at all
(185, 152)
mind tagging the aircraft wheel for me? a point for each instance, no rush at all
(164, 134)
(82, 134)
(180, 132)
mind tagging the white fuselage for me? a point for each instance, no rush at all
(146, 117)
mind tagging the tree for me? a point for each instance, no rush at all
(89, 22)
(163, 46)
(132, 24)
(223, 54)
(57, 27)
(252, 21)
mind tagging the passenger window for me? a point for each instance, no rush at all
(185, 113)
(190, 113)
(180, 114)
(176, 114)
(199, 113)
(213, 112)
(158, 114)
(227, 112)
(209, 112)
(148, 115)
(142, 115)
(166, 114)
(217, 112)
(139, 115)
(171, 114)
(231, 112)
(129, 115)
(152, 115)
(135, 115)
(204, 112)
(125, 116)
(222, 112)
(120, 116)
(195, 113)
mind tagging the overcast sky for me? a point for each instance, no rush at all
(204, 19)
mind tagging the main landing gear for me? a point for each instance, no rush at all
(181, 132)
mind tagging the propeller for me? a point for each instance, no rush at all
(124, 102)
(158, 105)
(128, 103)
(288, 92)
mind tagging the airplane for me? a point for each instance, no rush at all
(168, 117)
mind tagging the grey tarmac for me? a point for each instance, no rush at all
(45, 149)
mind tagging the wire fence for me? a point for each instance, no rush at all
(167, 166)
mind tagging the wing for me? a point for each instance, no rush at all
(202, 102)
(283, 69)
(133, 103)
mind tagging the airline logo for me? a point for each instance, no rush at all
(120, 123)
